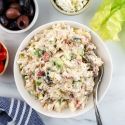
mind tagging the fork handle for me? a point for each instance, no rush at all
(97, 114)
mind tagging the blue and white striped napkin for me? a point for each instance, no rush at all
(17, 111)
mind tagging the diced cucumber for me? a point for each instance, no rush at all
(58, 62)
(37, 52)
(77, 39)
(38, 83)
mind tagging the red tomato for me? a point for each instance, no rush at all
(1, 67)
(2, 56)
(1, 47)
(46, 57)
(41, 73)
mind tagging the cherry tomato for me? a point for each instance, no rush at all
(1, 47)
(2, 56)
(1, 67)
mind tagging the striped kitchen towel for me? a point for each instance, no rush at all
(17, 111)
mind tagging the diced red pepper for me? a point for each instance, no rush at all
(2, 56)
(78, 104)
(40, 73)
(1, 67)
(4, 50)
(46, 57)
(1, 47)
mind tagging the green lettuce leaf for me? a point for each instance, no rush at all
(109, 19)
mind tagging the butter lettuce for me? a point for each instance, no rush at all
(109, 19)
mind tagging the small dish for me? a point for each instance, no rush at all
(7, 58)
(71, 13)
(29, 26)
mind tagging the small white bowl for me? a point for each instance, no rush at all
(71, 13)
(30, 25)
(7, 58)
(102, 52)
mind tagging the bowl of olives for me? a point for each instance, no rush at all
(17, 16)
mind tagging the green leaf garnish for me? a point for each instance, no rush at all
(109, 19)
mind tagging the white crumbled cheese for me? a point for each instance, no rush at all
(71, 5)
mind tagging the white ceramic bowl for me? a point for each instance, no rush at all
(102, 52)
(30, 25)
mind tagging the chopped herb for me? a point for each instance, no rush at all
(73, 56)
(38, 83)
(60, 101)
(76, 39)
(55, 46)
(38, 52)
(21, 55)
(33, 93)
(54, 63)
(59, 63)
(33, 73)
(25, 77)
(51, 41)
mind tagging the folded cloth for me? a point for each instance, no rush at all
(17, 111)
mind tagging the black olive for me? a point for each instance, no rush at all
(4, 21)
(21, 3)
(47, 78)
(1, 6)
(13, 1)
(24, 3)
(22, 22)
(30, 11)
(15, 6)
(27, 7)
(12, 13)
(27, 3)
(13, 26)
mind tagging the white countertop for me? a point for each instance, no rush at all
(112, 108)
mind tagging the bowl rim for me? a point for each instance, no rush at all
(30, 25)
(74, 13)
(36, 31)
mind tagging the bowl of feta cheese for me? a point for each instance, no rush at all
(71, 7)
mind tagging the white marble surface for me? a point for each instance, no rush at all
(112, 107)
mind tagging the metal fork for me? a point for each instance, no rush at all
(95, 92)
